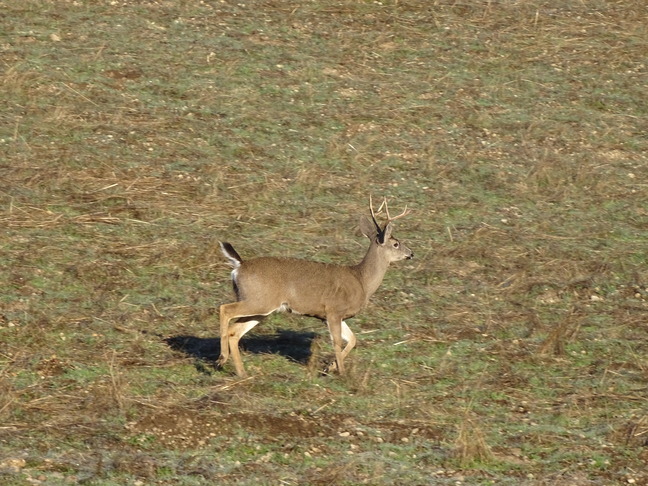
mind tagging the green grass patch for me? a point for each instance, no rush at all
(134, 136)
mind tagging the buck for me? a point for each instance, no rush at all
(331, 293)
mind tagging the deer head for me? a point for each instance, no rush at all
(382, 236)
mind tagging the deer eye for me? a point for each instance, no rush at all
(396, 244)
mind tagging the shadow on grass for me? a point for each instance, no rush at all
(293, 345)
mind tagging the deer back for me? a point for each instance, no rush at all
(301, 286)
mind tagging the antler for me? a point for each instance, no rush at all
(389, 218)
(373, 215)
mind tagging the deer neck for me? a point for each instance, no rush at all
(372, 270)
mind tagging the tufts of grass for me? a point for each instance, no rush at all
(471, 447)
(134, 136)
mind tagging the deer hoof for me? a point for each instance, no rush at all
(332, 368)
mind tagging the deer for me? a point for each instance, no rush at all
(329, 292)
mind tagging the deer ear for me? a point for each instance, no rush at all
(367, 228)
(386, 233)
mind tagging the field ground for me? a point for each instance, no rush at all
(136, 134)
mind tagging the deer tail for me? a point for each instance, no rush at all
(230, 253)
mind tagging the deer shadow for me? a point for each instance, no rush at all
(293, 345)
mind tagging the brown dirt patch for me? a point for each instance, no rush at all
(183, 428)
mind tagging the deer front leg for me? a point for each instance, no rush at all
(335, 329)
(349, 338)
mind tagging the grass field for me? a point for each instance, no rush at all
(513, 350)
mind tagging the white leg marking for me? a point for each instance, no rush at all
(346, 332)
(249, 325)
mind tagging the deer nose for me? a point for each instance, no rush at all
(410, 256)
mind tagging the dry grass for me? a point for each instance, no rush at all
(470, 445)
(133, 135)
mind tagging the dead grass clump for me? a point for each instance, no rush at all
(361, 379)
(470, 446)
(315, 360)
(137, 464)
(19, 82)
(338, 474)
(634, 433)
(7, 398)
(117, 384)
(554, 343)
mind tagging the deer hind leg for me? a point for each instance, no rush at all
(236, 332)
(227, 312)
(248, 316)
